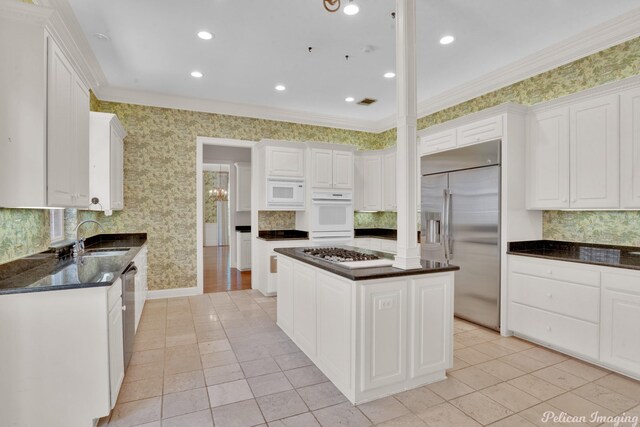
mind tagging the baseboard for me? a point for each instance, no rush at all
(173, 293)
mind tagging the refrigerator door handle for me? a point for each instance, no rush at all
(446, 207)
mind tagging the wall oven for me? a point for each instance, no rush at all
(332, 217)
(285, 194)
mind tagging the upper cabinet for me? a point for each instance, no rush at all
(484, 130)
(284, 161)
(375, 188)
(44, 118)
(107, 162)
(331, 168)
(630, 149)
(243, 187)
(574, 155)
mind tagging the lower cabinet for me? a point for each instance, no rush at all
(304, 307)
(116, 343)
(140, 283)
(243, 251)
(285, 295)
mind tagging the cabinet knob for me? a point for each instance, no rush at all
(124, 308)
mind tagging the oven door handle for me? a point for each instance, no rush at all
(331, 202)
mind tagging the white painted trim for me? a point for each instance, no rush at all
(173, 293)
(201, 141)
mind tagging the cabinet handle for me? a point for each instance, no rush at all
(124, 308)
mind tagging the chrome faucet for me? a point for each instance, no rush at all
(78, 248)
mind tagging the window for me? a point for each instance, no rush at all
(57, 225)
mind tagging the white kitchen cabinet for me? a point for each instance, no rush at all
(284, 161)
(331, 168)
(438, 142)
(620, 326)
(44, 112)
(264, 265)
(106, 154)
(304, 307)
(116, 343)
(480, 131)
(358, 185)
(243, 187)
(285, 295)
(630, 149)
(389, 189)
(141, 286)
(372, 182)
(548, 160)
(594, 153)
(243, 251)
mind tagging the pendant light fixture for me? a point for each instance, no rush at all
(218, 194)
(334, 5)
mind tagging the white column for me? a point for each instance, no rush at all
(408, 256)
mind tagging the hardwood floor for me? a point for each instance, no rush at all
(218, 276)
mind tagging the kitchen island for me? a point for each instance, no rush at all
(372, 331)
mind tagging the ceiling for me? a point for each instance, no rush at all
(153, 47)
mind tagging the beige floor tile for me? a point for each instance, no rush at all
(281, 405)
(269, 384)
(536, 387)
(231, 392)
(181, 339)
(181, 351)
(303, 420)
(223, 374)
(493, 349)
(143, 372)
(582, 369)
(513, 421)
(240, 414)
(253, 368)
(142, 389)
(450, 388)
(510, 397)
(291, 361)
(220, 358)
(308, 375)
(194, 419)
(475, 378)
(457, 345)
(135, 413)
(481, 408)
(179, 365)
(409, 420)
(560, 378)
(513, 343)
(522, 362)
(184, 402)
(385, 409)
(609, 399)
(214, 346)
(458, 364)
(344, 414)
(576, 405)
(419, 399)
(321, 395)
(544, 355)
(471, 338)
(184, 381)
(472, 356)
(147, 356)
(447, 415)
(620, 384)
(152, 344)
(500, 369)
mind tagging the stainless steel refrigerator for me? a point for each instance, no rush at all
(460, 223)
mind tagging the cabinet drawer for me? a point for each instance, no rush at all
(438, 141)
(573, 335)
(114, 294)
(556, 270)
(483, 130)
(570, 299)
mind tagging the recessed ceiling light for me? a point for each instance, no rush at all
(101, 36)
(447, 39)
(349, 99)
(389, 75)
(196, 74)
(205, 35)
(351, 8)
(280, 88)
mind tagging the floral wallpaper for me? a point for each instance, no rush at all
(276, 220)
(23, 232)
(605, 227)
(375, 220)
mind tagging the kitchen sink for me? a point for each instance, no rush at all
(105, 252)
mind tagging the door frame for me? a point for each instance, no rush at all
(201, 141)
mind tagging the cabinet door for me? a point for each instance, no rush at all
(480, 131)
(334, 319)
(285, 294)
(80, 148)
(304, 307)
(437, 142)
(548, 160)
(116, 351)
(630, 149)
(243, 195)
(285, 161)
(383, 324)
(430, 325)
(595, 162)
(116, 171)
(620, 322)
(358, 185)
(321, 168)
(389, 182)
(372, 194)
(61, 138)
(342, 169)
(246, 253)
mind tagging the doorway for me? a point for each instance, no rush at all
(219, 214)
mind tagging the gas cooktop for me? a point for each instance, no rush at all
(348, 258)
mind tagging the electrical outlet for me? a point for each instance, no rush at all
(385, 304)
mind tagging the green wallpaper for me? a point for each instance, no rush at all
(606, 227)
(276, 220)
(375, 220)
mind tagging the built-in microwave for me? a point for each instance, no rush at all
(285, 193)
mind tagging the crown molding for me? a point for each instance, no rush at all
(608, 34)
(153, 99)
(25, 12)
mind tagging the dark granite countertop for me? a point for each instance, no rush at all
(586, 253)
(283, 235)
(379, 233)
(46, 271)
(243, 228)
(356, 274)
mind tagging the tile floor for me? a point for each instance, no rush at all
(219, 359)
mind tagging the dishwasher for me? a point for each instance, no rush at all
(128, 306)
